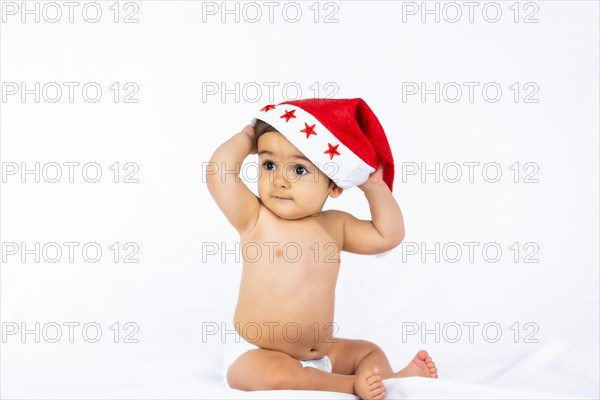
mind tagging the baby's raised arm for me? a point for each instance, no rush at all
(385, 231)
(233, 197)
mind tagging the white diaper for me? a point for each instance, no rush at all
(235, 349)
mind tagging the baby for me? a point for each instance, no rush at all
(285, 309)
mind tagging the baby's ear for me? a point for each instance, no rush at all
(334, 190)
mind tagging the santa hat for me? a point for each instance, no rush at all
(342, 137)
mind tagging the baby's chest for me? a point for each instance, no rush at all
(284, 247)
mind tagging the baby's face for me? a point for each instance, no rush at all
(290, 185)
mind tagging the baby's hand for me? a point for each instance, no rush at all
(375, 178)
(249, 129)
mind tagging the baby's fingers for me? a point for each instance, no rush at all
(249, 129)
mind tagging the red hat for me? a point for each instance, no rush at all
(342, 137)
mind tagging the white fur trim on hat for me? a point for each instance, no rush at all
(344, 167)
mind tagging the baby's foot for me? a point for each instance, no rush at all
(369, 385)
(421, 365)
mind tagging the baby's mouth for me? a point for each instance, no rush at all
(281, 198)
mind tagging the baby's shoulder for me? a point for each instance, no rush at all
(332, 221)
(335, 216)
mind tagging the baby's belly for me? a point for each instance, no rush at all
(295, 320)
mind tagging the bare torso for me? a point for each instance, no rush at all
(287, 290)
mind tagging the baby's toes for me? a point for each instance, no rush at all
(366, 383)
(373, 380)
(433, 372)
(423, 355)
(378, 391)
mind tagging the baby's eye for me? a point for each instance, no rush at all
(266, 164)
(300, 169)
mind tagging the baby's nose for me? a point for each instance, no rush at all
(280, 178)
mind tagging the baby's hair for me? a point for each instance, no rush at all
(262, 127)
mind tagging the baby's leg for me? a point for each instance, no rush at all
(363, 360)
(370, 366)
(262, 369)
(362, 356)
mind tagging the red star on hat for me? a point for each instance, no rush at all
(332, 151)
(288, 115)
(268, 107)
(309, 130)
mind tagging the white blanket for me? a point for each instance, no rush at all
(532, 275)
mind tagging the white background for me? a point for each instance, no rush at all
(172, 54)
